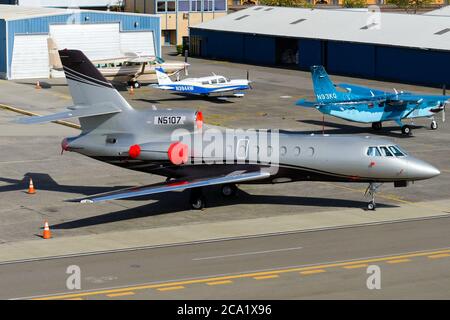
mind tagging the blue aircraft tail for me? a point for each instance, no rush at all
(323, 87)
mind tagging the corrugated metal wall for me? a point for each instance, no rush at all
(351, 59)
(128, 22)
(408, 65)
(3, 49)
(236, 46)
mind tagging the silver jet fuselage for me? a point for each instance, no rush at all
(296, 156)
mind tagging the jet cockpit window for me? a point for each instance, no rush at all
(396, 151)
(214, 81)
(385, 152)
(373, 152)
(222, 80)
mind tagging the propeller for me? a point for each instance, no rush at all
(444, 93)
(248, 79)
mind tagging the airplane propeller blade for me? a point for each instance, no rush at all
(444, 93)
(248, 79)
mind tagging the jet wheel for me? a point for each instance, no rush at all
(229, 190)
(136, 84)
(197, 200)
(371, 206)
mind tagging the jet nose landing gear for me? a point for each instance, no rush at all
(372, 189)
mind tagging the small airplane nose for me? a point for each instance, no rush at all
(421, 170)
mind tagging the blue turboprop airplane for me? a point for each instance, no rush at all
(202, 86)
(366, 105)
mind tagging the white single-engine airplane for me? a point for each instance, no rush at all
(128, 68)
(202, 86)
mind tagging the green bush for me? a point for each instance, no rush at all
(180, 49)
(354, 4)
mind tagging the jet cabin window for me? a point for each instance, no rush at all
(385, 152)
(396, 151)
(221, 80)
(373, 152)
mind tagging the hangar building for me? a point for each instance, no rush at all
(101, 35)
(388, 46)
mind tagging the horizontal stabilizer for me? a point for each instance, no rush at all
(307, 104)
(74, 112)
(175, 185)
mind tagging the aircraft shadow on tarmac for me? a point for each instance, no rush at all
(178, 202)
(164, 204)
(338, 128)
(43, 181)
(187, 97)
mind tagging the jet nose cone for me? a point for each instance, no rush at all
(421, 170)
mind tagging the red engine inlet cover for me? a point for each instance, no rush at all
(135, 151)
(178, 153)
(199, 120)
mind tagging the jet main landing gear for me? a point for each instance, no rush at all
(197, 199)
(229, 190)
(372, 189)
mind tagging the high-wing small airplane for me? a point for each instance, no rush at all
(131, 67)
(157, 142)
(366, 105)
(201, 86)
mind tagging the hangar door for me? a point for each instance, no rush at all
(30, 57)
(97, 41)
(142, 43)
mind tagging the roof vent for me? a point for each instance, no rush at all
(370, 26)
(439, 33)
(298, 21)
(242, 17)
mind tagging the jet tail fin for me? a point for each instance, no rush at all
(323, 87)
(87, 85)
(162, 76)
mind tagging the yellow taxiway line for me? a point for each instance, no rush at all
(309, 272)
(176, 285)
(273, 276)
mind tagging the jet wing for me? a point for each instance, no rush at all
(175, 185)
(74, 112)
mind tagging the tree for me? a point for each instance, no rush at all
(286, 3)
(354, 4)
(410, 4)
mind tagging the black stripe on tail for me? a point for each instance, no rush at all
(78, 67)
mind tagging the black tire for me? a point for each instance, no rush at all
(371, 206)
(434, 125)
(136, 84)
(377, 126)
(229, 190)
(406, 130)
(197, 200)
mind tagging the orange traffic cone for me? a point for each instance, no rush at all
(131, 91)
(38, 85)
(46, 234)
(31, 189)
